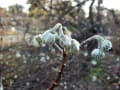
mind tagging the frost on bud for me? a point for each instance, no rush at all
(75, 46)
(49, 38)
(106, 45)
(97, 54)
(37, 41)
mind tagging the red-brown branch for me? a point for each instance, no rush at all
(59, 74)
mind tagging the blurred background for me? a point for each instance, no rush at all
(23, 67)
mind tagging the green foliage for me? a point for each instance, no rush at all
(94, 71)
(37, 12)
(97, 71)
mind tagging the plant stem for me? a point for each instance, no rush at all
(59, 74)
(89, 39)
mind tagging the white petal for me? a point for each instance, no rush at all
(57, 26)
(37, 41)
(66, 31)
(97, 54)
(99, 39)
(75, 46)
(65, 41)
(106, 45)
(49, 38)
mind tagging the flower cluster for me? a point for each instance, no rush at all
(60, 35)
(57, 34)
(104, 45)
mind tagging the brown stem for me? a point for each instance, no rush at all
(59, 74)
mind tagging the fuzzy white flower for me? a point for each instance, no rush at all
(53, 29)
(75, 46)
(49, 38)
(97, 54)
(99, 39)
(65, 40)
(106, 45)
(37, 41)
(66, 31)
(56, 27)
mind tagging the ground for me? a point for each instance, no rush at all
(34, 69)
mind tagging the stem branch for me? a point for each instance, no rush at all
(89, 39)
(59, 74)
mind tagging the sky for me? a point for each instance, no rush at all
(115, 4)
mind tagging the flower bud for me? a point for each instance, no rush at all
(66, 31)
(66, 42)
(99, 39)
(57, 26)
(75, 46)
(37, 41)
(49, 38)
(106, 45)
(97, 54)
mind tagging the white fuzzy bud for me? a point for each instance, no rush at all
(106, 45)
(57, 26)
(49, 38)
(97, 54)
(65, 41)
(75, 46)
(66, 31)
(99, 39)
(37, 41)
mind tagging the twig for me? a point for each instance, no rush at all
(89, 39)
(71, 8)
(59, 74)
(59, 48)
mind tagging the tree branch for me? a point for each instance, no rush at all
(59, 74)
(70, 9)
(89, 39)
(91, 12)
(99, 10)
